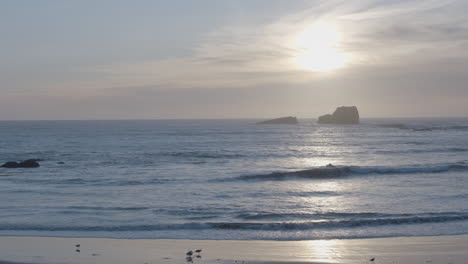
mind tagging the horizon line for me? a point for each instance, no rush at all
(240, 118)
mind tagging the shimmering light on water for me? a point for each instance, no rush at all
(232, 179)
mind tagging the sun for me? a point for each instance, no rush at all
(317, 49)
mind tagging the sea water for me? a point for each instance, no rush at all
(233, 179)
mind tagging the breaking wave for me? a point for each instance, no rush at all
(333, 172)
(363, 221)
(423, 128)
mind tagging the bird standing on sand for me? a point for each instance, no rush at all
(198, 251)
(189, 253)
(372, 259)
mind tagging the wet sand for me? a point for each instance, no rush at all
(51, 250)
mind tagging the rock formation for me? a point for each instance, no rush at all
(282, 120)
(30, 163)
(342, 115)
(11, 164)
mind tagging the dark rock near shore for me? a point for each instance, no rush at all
(11, 164)
(342, 115)
(30, 163)
(290, 120)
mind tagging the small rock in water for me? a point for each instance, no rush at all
(30, 163)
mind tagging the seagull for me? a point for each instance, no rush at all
(189, 253)
(189, 259)
(198, 251)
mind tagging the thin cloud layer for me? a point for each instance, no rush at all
(384, 34)
(391, 48)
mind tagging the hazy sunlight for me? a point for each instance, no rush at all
(317, 49)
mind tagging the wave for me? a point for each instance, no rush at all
(95, 182)
(139, 182)
(394, 125)
(313, 194)
(333, 172)
(458, 127)
(202, 155)
(111, 208)
(261, 226)
(315, 173)
(438, 150)
(424, 127)
(311, 216)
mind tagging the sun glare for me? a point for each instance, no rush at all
(318, 49)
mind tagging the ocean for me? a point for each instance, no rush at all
(233, 179)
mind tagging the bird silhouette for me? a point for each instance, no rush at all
(372, 259)
(189, 253)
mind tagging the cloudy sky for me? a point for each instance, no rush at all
(145, 59)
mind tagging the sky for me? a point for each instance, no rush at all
(183, 59)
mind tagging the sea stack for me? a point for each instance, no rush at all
(289, 120)
(342, 115)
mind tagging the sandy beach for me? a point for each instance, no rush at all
(443, 249)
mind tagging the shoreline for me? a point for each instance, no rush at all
(252, 240)
(426, 249)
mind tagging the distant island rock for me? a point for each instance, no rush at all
(289, 120)
(30, 163)
(342, 115)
